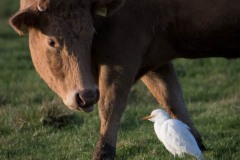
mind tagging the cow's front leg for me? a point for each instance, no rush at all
(164, 86)
(114, 86)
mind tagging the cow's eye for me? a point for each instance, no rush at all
(51, 43)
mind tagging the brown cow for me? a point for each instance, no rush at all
(137, 41)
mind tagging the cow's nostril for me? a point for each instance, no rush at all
(79, 100)
(87, 98)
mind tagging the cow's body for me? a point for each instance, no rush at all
(194, 29)
(139, 41)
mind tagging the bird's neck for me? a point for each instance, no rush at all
(160, 120)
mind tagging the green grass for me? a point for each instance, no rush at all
(34, 124)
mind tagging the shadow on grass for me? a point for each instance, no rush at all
(3, 100)
(56, 115)
(52, 114)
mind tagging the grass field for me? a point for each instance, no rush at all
(35, 125)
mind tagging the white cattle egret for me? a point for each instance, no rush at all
(174, 134)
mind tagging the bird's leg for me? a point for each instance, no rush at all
(114, 86)
(164, 86)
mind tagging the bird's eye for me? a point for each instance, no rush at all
(51, 43)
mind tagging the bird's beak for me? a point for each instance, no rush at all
(147, 117)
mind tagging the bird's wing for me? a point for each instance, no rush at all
(177, 137)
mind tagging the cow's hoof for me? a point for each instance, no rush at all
(104, 151)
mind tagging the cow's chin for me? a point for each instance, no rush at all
(77, 107)
(87, 109)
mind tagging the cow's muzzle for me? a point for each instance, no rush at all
(82, 100)
(86, 99)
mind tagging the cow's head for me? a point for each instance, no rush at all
(60, 36)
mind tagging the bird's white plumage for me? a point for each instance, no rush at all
(175, 135)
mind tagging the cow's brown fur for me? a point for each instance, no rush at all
(138, 41)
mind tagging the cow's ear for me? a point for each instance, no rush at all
(24, 19)
(107, 7)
